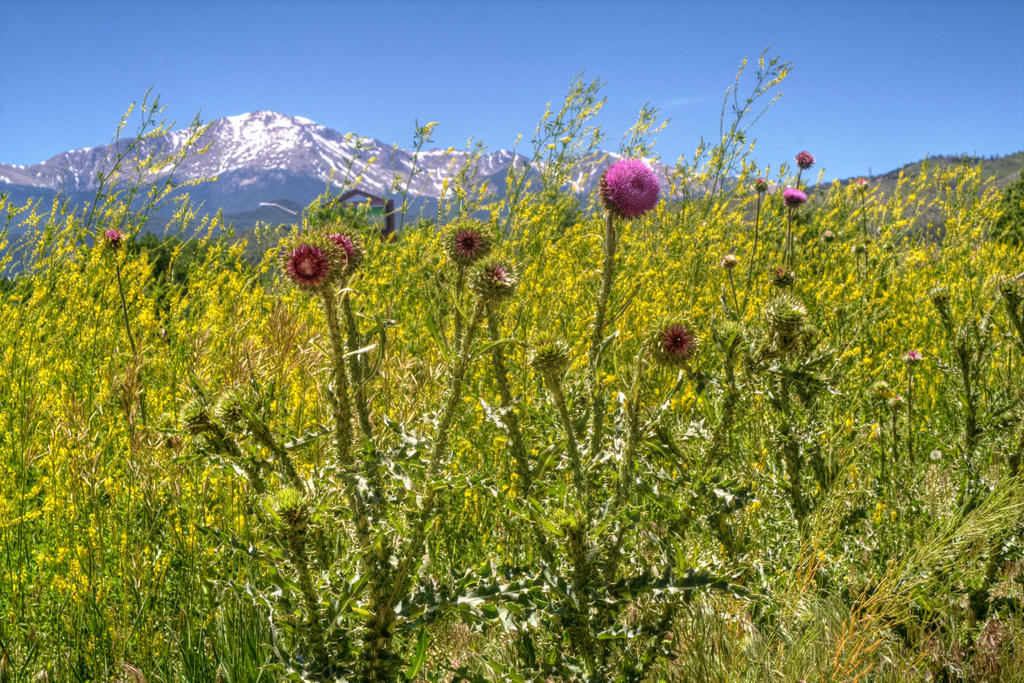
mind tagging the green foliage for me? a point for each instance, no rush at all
(1009, 227)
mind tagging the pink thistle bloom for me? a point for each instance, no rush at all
(729, 261)
(761, 185)
(629, 188)
(861, 183)
(113, 239)
(467, 244)
(674, 344)
(793, 197)
(804, 160)
(913, 357)
(308, 266)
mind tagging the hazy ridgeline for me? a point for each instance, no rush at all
(605, 450)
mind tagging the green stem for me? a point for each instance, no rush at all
(131, 341)
(607, 278)
(910, 415)
(340, 399)
(414, 549)
(732, 286)
(508, 415)
(789, 239)
(460, 286)
(753, 256)
(262, 434)
(355, 365)
(314, 620)
(579, 476)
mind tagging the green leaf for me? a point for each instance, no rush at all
(419, 656)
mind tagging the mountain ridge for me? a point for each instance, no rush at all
(262, 157)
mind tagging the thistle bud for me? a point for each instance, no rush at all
(550, 358)
(112, 238)
(729, 261)
(940, 298)
(881, 390)
(291, 509)
(727, 335)
(786, 318)
(230, 410)
(828, 236)
(495, 281)
(1011, 289)
(913, 358)
(194, 417)
(351, 246)
(781, 278)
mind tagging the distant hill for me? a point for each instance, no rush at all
(1001, 170)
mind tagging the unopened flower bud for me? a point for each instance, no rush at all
(495, 281)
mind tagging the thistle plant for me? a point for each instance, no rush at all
(628, 190)
(354, 252)
(465, 243)
(790, 358)
(912, 359)
(317, 264)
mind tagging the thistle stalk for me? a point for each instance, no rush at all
(340, 398)
(508, 415)
(607, 278)
(355, 366)
(296, 517)
(460, 286)
(789, 238)
(262, 434)
(378, 641)
(131, 338)
(554, 385)
(910, 413)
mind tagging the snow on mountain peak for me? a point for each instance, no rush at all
(264, 144)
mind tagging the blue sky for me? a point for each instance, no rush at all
(873, 85)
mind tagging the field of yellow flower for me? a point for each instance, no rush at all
(821, 481)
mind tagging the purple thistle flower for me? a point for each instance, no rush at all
(674, 344)
(862, 183)
(913, 357)
(308, 266)
(113, 239)
(629, 188)
(804, 160)
(467, 243)
(793, 197)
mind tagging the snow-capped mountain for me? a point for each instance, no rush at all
(265, 157)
